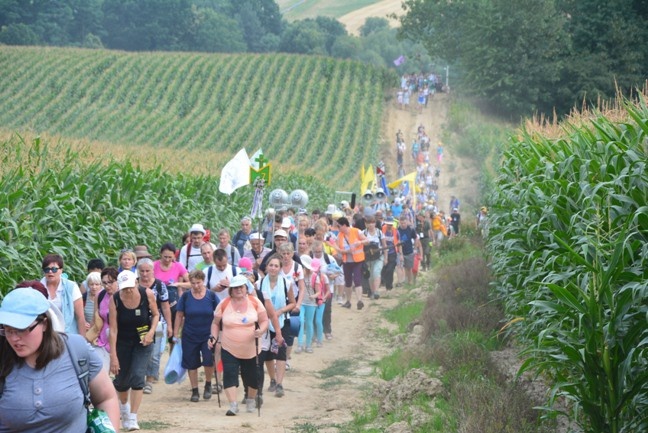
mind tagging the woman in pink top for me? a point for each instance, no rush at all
(242, 320)
(109, 283)
(173, 274)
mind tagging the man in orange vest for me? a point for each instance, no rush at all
(350, 243)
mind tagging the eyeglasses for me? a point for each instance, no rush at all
(107, 283)
(5, 332)
(52, 269)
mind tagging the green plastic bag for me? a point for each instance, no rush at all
(99, 422)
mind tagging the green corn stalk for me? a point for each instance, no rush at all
(569, 245)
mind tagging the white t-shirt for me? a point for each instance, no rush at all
(216, 277)
(195, 256)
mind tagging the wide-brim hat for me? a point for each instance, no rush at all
(330, 210)
(238, 280)
(141, 251)
(281, 233)
(306, 261)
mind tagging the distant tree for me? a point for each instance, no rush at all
(608, 45)
(373, 25)
(332, 29)
(18, 34)
(257, 18)
(211, 31)
(512, 57)
(346, 47)
(147, 25)
(303, 37)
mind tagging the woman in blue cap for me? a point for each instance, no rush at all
(40, 390)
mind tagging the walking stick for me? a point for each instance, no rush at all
(258, 398)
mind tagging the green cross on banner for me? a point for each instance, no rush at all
(263, 173)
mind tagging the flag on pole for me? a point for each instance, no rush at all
(383, 185)
(400, 60)
(235, 174)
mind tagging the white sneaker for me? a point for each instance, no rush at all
(133, 425)
(124, 415)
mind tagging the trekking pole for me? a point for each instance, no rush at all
(256, 344)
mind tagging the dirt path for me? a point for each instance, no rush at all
(311, 399)
(308, 399)
(459, 176)
(356, 19)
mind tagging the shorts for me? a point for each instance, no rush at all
(195, 354)
(352, 274)
(375, 268)
(408, 261)
(281, 356)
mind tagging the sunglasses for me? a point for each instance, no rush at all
(4, 332)
(52, 269)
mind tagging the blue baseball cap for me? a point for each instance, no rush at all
(21, 307)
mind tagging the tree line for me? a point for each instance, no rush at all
(527, 56)
(227, 26)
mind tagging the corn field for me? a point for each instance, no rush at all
(569, 245)
(312, 113)
(51, 201)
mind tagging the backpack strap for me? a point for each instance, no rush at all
(188, 254)
(78, 351)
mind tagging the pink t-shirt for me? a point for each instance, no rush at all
(238, 328)
(171, 275)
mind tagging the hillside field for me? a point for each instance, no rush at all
(314, 115)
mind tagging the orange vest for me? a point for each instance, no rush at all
(357, 253)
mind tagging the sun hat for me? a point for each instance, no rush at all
(330, 209)
(389, 220)
(281, 233)
(238, 280)
(306, 261)
(141, 251)
(197, 228)
(245, 263)
(21, 307)
(126, 280)
(344, 204)
(286, 223)
(256, 236)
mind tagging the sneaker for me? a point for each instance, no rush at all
(250, 405)
(133, 423)
(148, 388)
(280, 391)
(194, 395)
(233, 410)
(347, 305)
(244, 399)
(273, 386)
(360, 305)
(207, 393)
(219, 388)
(376, 296)
(329, 336)
(299, 349)
(309, 350)
(287, 366)
(319, 344)
(124, 414)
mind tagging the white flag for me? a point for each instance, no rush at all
(235, 174)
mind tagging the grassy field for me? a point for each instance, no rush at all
(300, 9)
(309, 114)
